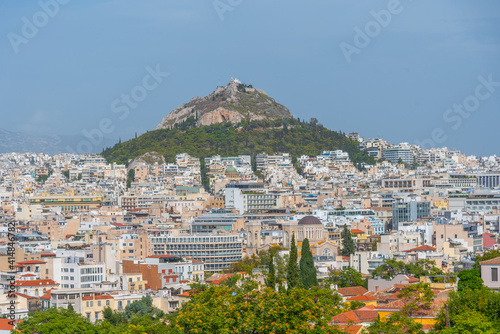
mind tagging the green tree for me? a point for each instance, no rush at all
(56, 321)
(488, 255)
(307, 269)
(471, 322)
(293, 271)
(482, 300)
(271, 275)
(130, 177)
(469, 279)
(344, 278)
(225, 310)
(142, 307)
(348, 246)
(113, 317)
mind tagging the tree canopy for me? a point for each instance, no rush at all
(348, 245)
(250, 138)
(307, 269)
(293, 277)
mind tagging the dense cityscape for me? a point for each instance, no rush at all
(249, 167)
(98, 235)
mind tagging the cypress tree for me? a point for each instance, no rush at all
(292, 270)
(307, 269)
(348, 246)
(271, 276)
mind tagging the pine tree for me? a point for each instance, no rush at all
(293, 270)
(348, 246)
(271, 276)
(307, 269)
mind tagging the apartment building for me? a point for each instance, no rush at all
(216, 251)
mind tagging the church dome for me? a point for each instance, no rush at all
(231, 170)
(310, 220)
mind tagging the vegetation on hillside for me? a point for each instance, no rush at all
(284, 135)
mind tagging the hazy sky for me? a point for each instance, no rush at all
(65, 70)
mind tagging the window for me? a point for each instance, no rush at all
(99, 303)
(494, 274)
(107, 302)
(120, 305)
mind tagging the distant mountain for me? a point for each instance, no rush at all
(50, 144)
(233, 120)
(233, 103)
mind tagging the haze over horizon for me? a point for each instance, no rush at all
(399, 82)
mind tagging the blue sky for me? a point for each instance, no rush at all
(426, 58)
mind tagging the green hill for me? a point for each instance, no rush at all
(225, 139)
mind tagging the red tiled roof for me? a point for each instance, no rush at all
(24, 296)
(356, 316)
(32, 262)
(491, 261)
(424, 248)
(35, 282)
(48, 254)
(357, 231)
(184, 294)
(5, 324)
(46, 295)
(362, 298)
(28, 275)
(96, 297)
(352, 291)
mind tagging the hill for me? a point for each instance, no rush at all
(271, 136)
(233, 103)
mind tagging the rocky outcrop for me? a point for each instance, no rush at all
(149, 158)
(233, 103)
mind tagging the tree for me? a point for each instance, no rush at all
(56, 321)
(469, 279)
(271, 275)
(348, 246)
(307, 269)
(142, 307)
(392, 267)
(113, 317)
(481, 301)
(130, 177)
(345, 278)
(226, 310)
(470, 322)
(488, 255)
(293, 271)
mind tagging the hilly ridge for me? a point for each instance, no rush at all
(290, 135)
